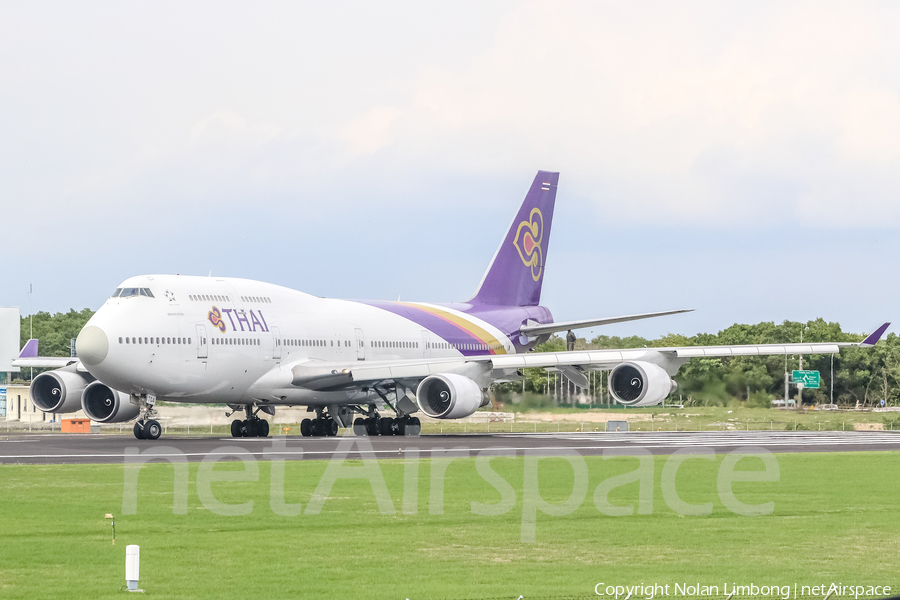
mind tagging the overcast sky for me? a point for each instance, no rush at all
(742, 159)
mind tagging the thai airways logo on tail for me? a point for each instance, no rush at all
(528, 243)
(516, 273)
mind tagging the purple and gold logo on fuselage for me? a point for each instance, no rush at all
(528, 242)
(254, 320)
(215, 317)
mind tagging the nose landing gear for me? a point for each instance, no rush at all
(147, 427)
(148, 430)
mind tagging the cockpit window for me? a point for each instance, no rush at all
(129, 292)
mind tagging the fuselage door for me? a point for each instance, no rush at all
(202, 342)
(426, 344)
(276, 343)
(360, 344)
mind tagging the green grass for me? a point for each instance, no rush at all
(835, 519)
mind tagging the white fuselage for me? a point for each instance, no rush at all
(210, 340)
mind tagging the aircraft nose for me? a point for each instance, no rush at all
(92, 345)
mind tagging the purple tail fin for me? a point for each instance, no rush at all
(30, 349)
(515, 275)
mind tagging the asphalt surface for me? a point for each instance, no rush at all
(61, 448)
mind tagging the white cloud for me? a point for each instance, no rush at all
(672, 113)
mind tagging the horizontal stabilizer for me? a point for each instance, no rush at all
(545, 328)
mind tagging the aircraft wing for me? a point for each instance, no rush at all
(536, 329)
(330, 376)
(28, 357)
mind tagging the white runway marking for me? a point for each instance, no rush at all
(726, 438)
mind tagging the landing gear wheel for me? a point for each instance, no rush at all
(401, 425)
(152, 430)
(414, 427)
(387, 426)
(360, 428)
(372, 427)
(262, 428)
(306, 427)
(330, 427)
(236, 428)
(139, 431)
(250, 428)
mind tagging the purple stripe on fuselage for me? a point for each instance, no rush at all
(505, 318)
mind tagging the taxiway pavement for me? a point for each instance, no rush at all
(59, 448)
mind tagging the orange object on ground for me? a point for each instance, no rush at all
(75, 426)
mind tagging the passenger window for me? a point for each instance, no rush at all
(127, 340)
(120, 340)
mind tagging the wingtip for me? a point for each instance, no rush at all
(873, 337)
(30, 349)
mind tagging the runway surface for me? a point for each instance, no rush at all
(59, 448)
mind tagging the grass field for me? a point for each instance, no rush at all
(705, 418)
(834, 520)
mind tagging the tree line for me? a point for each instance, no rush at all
(863, 376)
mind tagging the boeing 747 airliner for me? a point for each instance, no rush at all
(256, 346)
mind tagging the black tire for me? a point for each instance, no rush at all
(262, 428)
(402, 425)
(236, 428)
(330, 427)
(138, 431)
(247, 428)
(414, 427)
(152, 430)
(306, 427)
(316, 428)
(372, 427)
(360, 429)
(387, 426)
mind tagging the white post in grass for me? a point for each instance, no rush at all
(132, 567)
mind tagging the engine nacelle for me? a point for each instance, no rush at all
(58, 391)
(449, 396)
(103, 404)
(640, 384)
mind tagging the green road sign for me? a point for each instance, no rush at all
(809, 379)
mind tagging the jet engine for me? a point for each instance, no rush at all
(103, 404)
(58, 391)
(449, 396)
(640, 384)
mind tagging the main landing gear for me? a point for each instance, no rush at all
(147, 427)
(252, 426)
(322, 426)
(378, 425)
